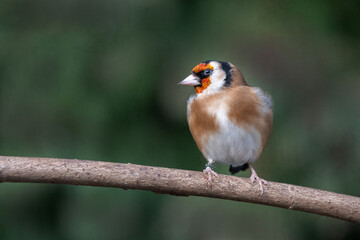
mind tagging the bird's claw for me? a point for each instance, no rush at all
(254, 177)
(208, 172)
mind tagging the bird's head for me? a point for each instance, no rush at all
(212, 76)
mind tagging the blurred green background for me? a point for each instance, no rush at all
(97, 80)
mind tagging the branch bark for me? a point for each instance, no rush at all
(177, 182)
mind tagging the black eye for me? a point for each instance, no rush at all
(207, 72)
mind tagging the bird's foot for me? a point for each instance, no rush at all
(209, 173)
(254, 177)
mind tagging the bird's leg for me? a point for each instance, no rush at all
(254, 177)
(209, 172)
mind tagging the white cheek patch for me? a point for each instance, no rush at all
(217, 79)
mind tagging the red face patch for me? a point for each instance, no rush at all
(202, 67)
(205, 82)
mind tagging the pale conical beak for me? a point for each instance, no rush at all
(191, 80)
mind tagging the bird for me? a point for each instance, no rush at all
(229, 120)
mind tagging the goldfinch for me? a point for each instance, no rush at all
(229, 120)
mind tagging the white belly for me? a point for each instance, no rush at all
(232, 144)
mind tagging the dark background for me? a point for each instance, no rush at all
(97, 80)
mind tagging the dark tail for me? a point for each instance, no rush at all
(234, 170)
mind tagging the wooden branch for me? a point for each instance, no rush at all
(177, 182)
